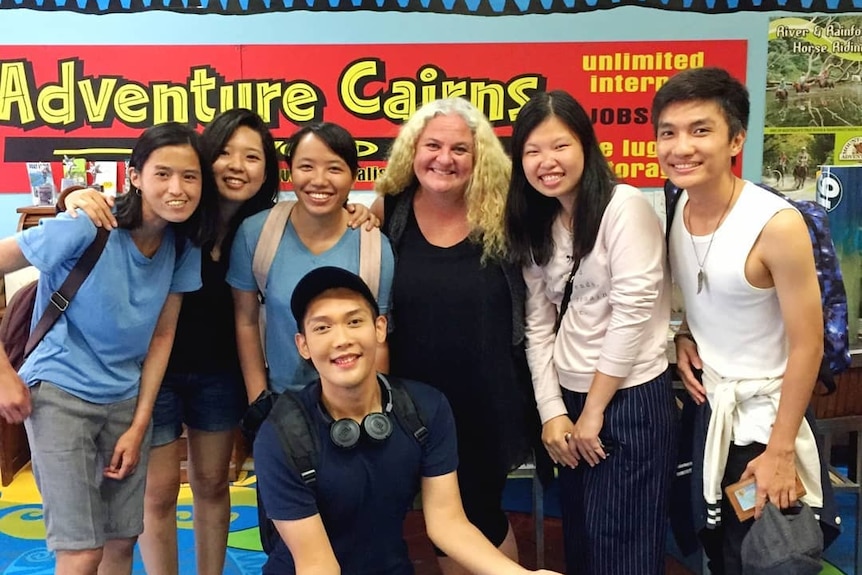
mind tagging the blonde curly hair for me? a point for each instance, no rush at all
(486, 191)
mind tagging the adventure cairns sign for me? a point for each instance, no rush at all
(87, 102)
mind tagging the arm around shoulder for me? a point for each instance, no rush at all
(11, 256)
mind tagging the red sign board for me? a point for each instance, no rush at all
(92, 101)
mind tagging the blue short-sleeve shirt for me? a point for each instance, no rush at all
(287, 370)
(362, 494)
(97, 347)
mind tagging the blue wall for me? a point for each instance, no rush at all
(27, 27)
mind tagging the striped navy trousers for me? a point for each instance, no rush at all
(615, 514)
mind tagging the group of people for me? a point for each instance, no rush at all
(516, 300)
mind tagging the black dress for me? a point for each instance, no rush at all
(452, 328)
(205, 340)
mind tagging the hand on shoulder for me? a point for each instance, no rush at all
(98, 206)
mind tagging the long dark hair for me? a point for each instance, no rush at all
(529, 214)
(215, 137)
(129, 207)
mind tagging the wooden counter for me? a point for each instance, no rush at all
(30, 215)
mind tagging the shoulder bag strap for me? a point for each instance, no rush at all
(267, 243)
(567, 294)
(370, 247)
(405, 410)
(60, 299)
(296, 433)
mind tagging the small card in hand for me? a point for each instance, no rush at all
(743, 494)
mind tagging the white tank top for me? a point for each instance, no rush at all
(738, 327)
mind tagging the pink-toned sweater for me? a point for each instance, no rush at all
(617, 321)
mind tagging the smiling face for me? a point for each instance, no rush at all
(443, 162)
(340, 337)
(694, 145)
(240, 168)
(321, 178)
(170, 185)
(553, 161)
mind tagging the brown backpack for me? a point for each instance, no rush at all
(15, 334)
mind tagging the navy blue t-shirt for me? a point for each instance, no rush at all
(361, 494)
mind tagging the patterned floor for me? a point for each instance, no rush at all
(23, 552)
(22, 532)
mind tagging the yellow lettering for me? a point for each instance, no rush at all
(300, 102)
(163, 96)
(365, 148)
(96, 106)
(200, 85)
(351, 83)
(15, 91)
(493, 94)
(266, 93)
(244, 91)
(62, 94)
(517, 92)
(402, 103)
(131, 101)
(226, 98)
(607, 149)
(452, 89)
(429, 91)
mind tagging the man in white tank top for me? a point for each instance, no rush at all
(752, 339)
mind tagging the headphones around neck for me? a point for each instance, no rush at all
(377, 427)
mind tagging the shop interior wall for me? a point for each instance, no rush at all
(27, 27)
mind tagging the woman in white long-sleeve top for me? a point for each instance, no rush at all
(597, 311)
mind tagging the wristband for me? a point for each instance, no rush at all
(683, 334)
(257, 412)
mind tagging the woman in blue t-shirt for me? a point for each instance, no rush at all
(203, 387)
(323, 162)
(87, 390)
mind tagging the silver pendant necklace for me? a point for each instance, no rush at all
(701, 274)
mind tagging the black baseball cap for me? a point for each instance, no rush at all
(325, 278)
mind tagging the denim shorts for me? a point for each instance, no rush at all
(203, 401)
(71, 442)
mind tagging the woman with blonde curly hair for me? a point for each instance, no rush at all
(457, 304)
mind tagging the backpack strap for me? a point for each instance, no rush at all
(405, 410)
(60, 299)
(294, 427)
(370, 247)
(671, 200)
(296, 433)
(267, 243)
